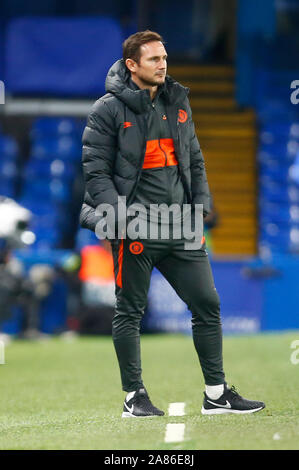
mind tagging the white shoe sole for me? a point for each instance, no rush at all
(126, 414)
(222, 411)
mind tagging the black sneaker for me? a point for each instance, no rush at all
(230, 402)
(140, 406)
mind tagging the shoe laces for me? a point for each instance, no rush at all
(144, 401)
(141, 398)
(234, 392)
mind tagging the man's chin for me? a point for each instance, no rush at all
(155, 82)
(160, 80)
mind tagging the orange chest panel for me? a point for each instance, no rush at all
(159, 153)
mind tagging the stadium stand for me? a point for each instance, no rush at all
(278, 121)
(8, 165)
(48, 177)
(227, 136)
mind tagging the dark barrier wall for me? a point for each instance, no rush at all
(60, 56)
(254, 297)
(256, 20)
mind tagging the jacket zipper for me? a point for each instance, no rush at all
(165, 156)
(132, 195)
(163, 152)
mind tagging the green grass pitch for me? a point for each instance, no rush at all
(67, 395)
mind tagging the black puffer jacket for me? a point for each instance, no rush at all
(113, 150)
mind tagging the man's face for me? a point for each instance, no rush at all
(152, 66)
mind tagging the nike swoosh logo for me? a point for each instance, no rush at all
(128, 408)
(227, 405)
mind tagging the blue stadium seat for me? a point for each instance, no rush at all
(46, 127)
(278, 213)
(279, 192)
(274, 170)
(85, 237)
(7, 187)
(8, 147)
(281, 238)
(48, 221)
(49, 169)
(286, 150)
(8, 178)
(8, 169)
(279, 129)
(276, 109)
(37, 206)
(46, 239)
(273, 85)
(54, 190)
(65, 148)
(273, 234)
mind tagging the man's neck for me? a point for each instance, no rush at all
(152, 89)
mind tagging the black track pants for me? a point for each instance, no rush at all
(189, 273)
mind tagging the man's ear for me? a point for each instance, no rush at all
(131, 64)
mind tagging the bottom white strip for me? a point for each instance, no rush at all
(174, 432)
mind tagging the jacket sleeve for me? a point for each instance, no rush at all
(88, 218)
(99, 150)
(98, 156)
(199, 183)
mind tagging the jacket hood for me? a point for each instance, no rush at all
(117, 83)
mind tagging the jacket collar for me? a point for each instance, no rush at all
(117, 83)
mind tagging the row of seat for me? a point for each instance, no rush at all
(278, 159)
(48, 177)
(8, 165)
(54, 162)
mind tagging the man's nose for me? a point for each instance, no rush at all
(162, 64)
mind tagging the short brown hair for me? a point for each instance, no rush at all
(131, 46)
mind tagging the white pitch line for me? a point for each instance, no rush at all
(176, 409)
(174, 432)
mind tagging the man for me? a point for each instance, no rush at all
(140, 143)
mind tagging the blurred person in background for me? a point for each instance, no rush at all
(19, 288)
(140, 142)
(97, 289)
(14, 289)
(89, 278)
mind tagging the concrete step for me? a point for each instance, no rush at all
(222, 118)
(209, 87)
(237, 209)
(236, 246)
(227, 135)
(217, 72)
(227, 132)
(212, 103)
(227, 144)
(231, 166)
